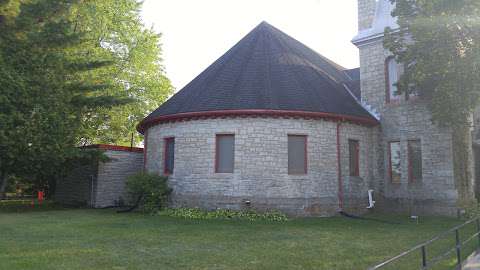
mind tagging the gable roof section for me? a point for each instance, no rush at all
(265, 71)
(354, 83)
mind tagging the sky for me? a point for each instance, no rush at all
(197, 32)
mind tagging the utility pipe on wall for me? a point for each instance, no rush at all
(339, 170)
(145, 143)
(92, 191)
(371, 202)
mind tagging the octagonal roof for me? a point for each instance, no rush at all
(267, 70)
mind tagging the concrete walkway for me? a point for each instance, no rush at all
(473, 262)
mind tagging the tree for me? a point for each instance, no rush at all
(64, 76)
(439, 44)
(44, 96)
(115, 25)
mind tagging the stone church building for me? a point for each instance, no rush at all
(272, 124)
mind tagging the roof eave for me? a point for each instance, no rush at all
(363, 39)
(145, 124)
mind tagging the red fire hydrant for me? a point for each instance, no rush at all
(40, 196)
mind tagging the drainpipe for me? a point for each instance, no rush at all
(92, 191)
(339, 170)
(145, 143)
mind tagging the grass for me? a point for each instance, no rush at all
(56, 238)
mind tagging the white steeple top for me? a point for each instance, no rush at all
(383, 19)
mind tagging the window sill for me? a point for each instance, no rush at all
(413, 98)
(399, 102)
(416, 183)
(356, 178)
(297, 174)
(394, 102)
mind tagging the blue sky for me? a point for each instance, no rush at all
(195, 33)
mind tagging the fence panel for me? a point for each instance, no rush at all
(444, 251)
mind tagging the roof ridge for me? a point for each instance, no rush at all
(335, 65)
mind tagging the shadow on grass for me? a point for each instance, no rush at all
(27, 206)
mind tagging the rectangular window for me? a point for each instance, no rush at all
(393, 72)
(169, 154)
(395, 162)
(297, 154)
(224, 153)
(354, 155)
(414, 161)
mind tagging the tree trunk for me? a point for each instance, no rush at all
(3, 184)
(463, 165)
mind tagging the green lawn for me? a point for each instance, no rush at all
(102, 239)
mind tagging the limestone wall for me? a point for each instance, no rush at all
(403, 121)
(261, 164)
(112, 175)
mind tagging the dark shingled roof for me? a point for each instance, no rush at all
(354, 73)
(354, 84)
(268, 70)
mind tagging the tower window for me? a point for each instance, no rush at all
(395, 165)
(392, 71)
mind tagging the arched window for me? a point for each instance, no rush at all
(392, 71)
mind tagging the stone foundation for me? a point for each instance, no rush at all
(416, 207)
(318, 207)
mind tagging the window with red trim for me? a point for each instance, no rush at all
(395, 164)
(224, 153)
(297, 154)
(354, 156)
(414, 161)
(392, 75)
(169, 155)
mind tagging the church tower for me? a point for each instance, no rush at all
(414, 163)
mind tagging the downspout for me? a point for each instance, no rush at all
(92, 190)
(339, 170)
(145, 143)
(94, 167)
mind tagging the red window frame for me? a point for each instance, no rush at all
(390, 171)
(217, 136)
(411, 178)
(305, 158)
(387, 82)
(166, 141)
(356, 172)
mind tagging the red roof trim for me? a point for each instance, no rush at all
(115, 148)
(252, 113)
